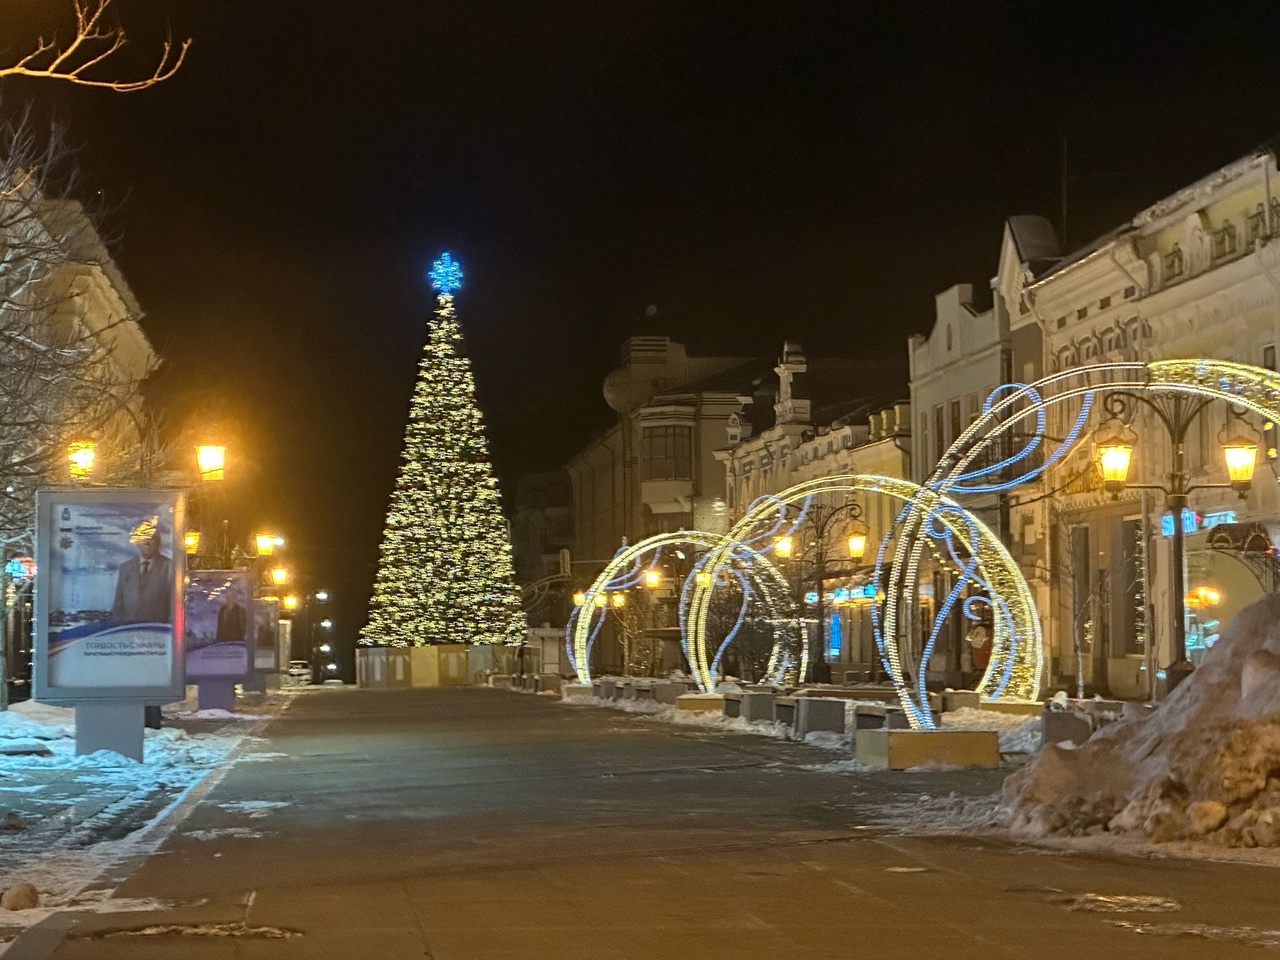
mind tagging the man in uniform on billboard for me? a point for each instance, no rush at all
(144, 584)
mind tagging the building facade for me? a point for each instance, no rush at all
(1193, 276)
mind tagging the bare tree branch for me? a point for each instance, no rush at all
(97, 38)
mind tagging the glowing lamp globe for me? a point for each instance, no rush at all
(80, 458)
(212, 461)
(191, 542)
(290, 602)
(266, 543)
(279, 576)
(782, 546)
(857, 545)
(579, 598)
(601, 600)
(1241, 455)
(1113, 455)
(619, 599)
(702, 579)
(652, 578)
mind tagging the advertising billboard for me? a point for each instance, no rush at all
(266, 630)
(219, 624)
(109, 615)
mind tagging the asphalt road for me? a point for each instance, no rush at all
(464, 824)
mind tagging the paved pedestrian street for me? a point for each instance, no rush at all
(471, 824)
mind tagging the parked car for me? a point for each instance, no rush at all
(300, 671)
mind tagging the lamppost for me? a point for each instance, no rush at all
(1113, 453)
(823, 518)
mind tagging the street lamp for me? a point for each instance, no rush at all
(289, 602)
(322, 595)
(652, 578)
(191, 542)
(1113, 454)
(266, 543)
(579, 598)
(783, 546)
(619, 599)
(212, 461)
(857, 545)
(279, 576)
(326, 623)
(81, 455)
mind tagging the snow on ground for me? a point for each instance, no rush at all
(83, 815)
(667, 713)
(1018, 733)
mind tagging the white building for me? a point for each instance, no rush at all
(1193, 276)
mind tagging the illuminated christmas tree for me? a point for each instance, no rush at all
(445, 573)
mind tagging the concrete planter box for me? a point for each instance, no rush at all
(500, 681)
(1057, 726)
(733, 704)
(398, 668)
(568, 690)
(700, 702)
(784, 710)
(870, 716)
(903, 749)
(548, 682)
(756, 705)
(642, 690)
(669, 691)
(819, 714)
(1024, 708)
(960, 700)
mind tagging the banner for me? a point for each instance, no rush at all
(218, 624)
(266, 629)
(109, 617)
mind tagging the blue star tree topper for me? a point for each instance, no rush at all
(445, 275)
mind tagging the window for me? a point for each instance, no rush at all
(939, 433)
(1130, 292)
(667, 453)
(974, 405)
(1104, 303)
(656, 523)
(955, 420)
(924, 437)
(1082, 313)
(1060, 322)
(1173, 262)
(1224, 241)
(1270, 436)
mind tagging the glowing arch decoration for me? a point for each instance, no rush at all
(755, 577)
(1014, 422)
(927, 518)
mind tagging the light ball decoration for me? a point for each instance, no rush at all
(579, 598)
(212, 461)
(81, 458)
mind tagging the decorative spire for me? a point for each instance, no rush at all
(445, 275)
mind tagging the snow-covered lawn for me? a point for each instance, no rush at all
(78, 817)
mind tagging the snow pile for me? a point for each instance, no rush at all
(1018, 733)
(1204, 766)
(666, 713)
(29, 720)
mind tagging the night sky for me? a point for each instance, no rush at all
(756, 171)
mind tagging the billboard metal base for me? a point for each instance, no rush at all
(116, 726)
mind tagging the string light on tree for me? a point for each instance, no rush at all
(445, 573)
